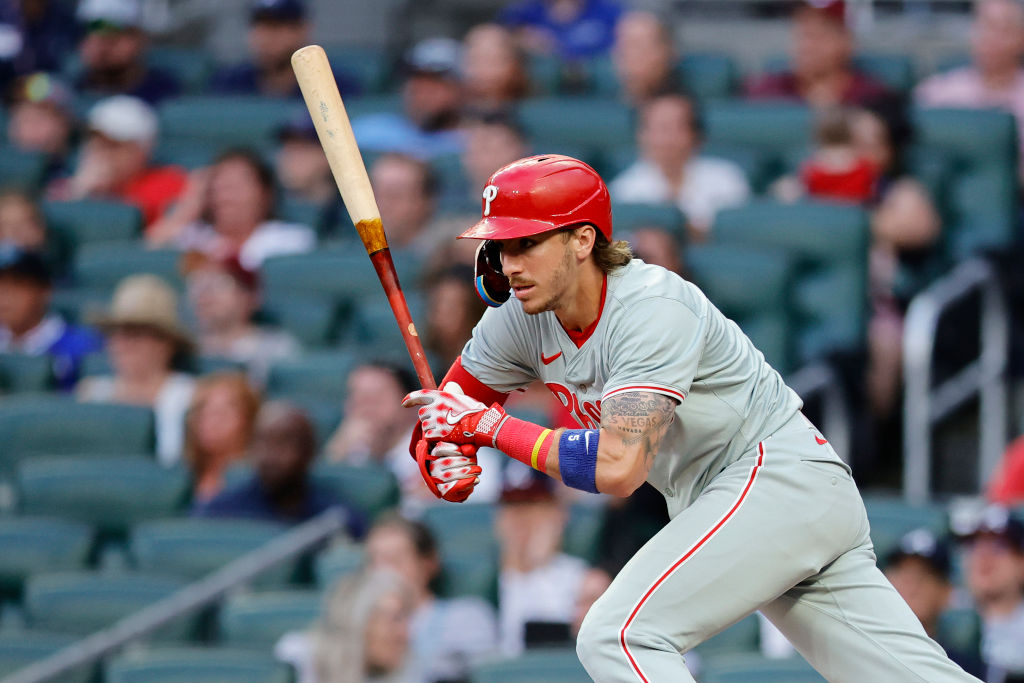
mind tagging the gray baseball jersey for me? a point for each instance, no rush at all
(764, 515)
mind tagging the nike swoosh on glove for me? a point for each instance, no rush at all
(450, 415)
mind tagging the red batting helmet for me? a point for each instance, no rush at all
(542, 193)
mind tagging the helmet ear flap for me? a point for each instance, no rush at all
(491, 284)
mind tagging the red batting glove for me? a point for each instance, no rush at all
(450, 415)
(451, 472)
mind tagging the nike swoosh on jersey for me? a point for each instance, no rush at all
(550, 359)
(453, 418)
(821, 441)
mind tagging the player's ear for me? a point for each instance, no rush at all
(585, 236)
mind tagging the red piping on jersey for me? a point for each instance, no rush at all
(687, 555)
(579, 338)
(668, 390)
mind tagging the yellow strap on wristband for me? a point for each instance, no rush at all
(536, 448)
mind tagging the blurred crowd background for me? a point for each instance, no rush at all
(195, 354)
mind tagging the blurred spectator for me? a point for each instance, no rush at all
(432, 97)
(995, 77)
(595, 582)
(116, 160)
(363, 636)
(539, 585)
(144, 338)
(644, 57)
(277, 28)
(42, 120)
(453, 309)
(920, 569)
(27, 325)
(670, 168)
(280, 489)
(836, 169)
(227, 212)
(113, 53)
(224, 298)
(653, 244)
(994, 573)
(448, 634)
(406, 191)
(21, 222)
(569, 29)
(1007, 484)
(300, 165)
(493, 139)
(218, 429)
(35, 35)
(821, 72)
(493, 68)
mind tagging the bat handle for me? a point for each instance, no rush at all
(385, 267)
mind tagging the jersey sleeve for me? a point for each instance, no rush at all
(496, 353)
(656, 346)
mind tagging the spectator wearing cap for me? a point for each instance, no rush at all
(994, 572)
(432, 97)
(35, 35)
(538, 585)
(920, 569)
(41, 120)
(145, 337)
(568, 29)
(301, 165)
(821, 72)
(493, 139)
(672, 170)
(995, 77)
(277, 28)
(224, 297)
(228, 211)
(116, 160)
(406, 189)
(113, 53)
(280, 488)
(644, 56)
(27, 325)
(494, 68)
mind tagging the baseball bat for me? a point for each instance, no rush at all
(320, 91)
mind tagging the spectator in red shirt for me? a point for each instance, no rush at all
(115, 162)
(821, 72)
(836, 170)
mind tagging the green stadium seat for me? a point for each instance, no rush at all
(893, 70)
(368, 66)
(629, 217)
(960, 630)
(204, 365)
(34, 544)
(755, 668)
(224, 120)
(77, 304)
(312, 319)
(742, 637)
(463, 526)
(103, 266)
(752, 287)
(192, 154)
(370, 489)
(197, 665)
(21, 169)
(301, 211)
(58, 425)
(337, 561)
(109, 492)
(193, 548)
(767, 129)
(83, 602)
(892, 517)
(709, 75)
(84, 221)
(373, 332)
(582, 536)
(545, 73)
(588, 122)
(192, 67)
(258, 620)
(24, 373)
(344, 274)
(469, 572)
(372, 104)
(538, 666)
(18, 649)
(315, 374)
(829, 244)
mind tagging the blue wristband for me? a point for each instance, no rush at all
(577, 458)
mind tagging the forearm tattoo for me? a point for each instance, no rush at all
(639, 417)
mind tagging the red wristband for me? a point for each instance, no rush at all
(526, 442)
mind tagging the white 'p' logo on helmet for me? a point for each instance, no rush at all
(490, 194)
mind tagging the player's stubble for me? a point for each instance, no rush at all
(559, 284)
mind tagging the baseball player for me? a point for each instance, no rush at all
(764, 515)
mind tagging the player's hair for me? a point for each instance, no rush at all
(611, 255)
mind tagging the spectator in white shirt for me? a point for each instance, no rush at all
(671, 170)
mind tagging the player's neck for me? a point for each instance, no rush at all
(582, 304)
